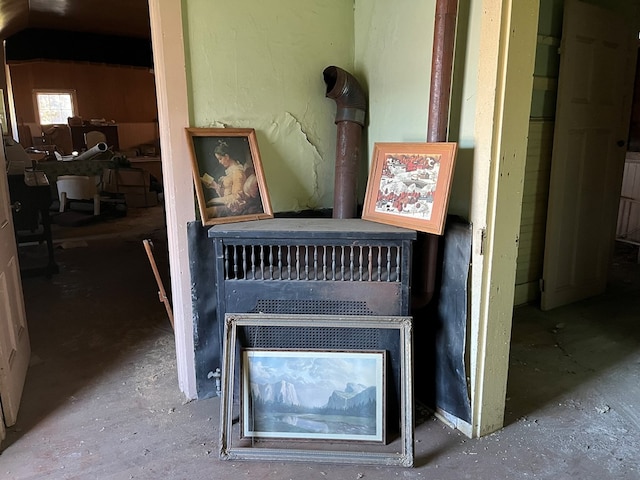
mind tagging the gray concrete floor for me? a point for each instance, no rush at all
(101, 400)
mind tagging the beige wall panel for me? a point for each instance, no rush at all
(132, 135)
(123, 94)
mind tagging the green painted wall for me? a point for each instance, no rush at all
(393, 51)
(258, 64)
(393, 63)
(393, 42)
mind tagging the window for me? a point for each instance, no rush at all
(54, 106)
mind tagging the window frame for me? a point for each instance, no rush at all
(53, 91)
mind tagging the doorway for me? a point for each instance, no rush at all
(139, 222)
(532, 244)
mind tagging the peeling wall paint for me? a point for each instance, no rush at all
(259, 65)
(295, 170)
(255, 64)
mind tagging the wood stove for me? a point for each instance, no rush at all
(317, 266)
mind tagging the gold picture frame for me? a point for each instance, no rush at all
(228, 175)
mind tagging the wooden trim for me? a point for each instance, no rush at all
(507, 55)
(173, 116)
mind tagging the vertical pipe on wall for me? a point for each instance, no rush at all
(439, 99)
(441, 69)
(350, 116)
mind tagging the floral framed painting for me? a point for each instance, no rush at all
(227, 171)
(409, 185)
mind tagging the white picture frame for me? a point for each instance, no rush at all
(313, 394)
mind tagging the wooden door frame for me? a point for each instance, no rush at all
(173, 117)
(506, 62)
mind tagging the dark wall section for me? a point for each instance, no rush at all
(38, 44)
(207, 334)
(441, 327)
(634, 127)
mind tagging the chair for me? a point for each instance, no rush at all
(24, 136)
(94, 137)
(74, 121)
(59, 136)
(78, 187)
(134, 183)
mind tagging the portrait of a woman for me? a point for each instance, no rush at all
(228, 175)
(235, 191)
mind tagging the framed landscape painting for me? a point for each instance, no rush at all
(317, 388)
(409, 185)
(313, 394)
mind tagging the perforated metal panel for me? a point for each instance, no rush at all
(325, 338)
(313, 266)
(327, 307)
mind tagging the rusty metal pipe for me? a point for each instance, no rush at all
(441, 69)
(424, 281)
(351, 105)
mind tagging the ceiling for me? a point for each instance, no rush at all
(127, 18)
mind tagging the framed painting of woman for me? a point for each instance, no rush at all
(227, 171)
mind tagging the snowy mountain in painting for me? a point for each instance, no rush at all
(354, 395)
(278, 392)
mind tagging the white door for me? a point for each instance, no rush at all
(597, 63)
(15, 349)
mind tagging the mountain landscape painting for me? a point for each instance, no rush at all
(313, 394)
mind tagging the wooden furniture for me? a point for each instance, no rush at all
(153, 165)
(133, 183)
(31, 219)
(78, 135)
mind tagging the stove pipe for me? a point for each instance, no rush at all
(352, 104)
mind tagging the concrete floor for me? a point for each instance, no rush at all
(101, 399)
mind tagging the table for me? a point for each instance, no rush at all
(91, 168)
